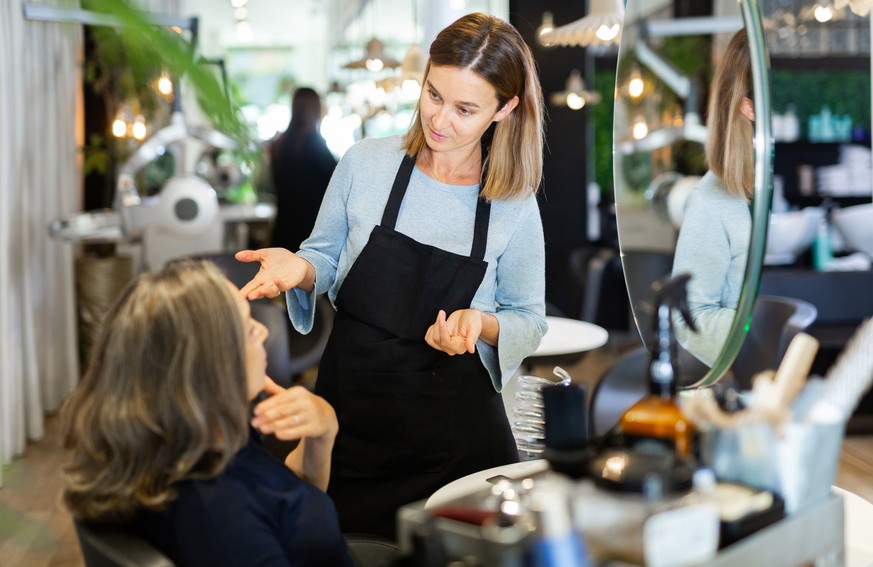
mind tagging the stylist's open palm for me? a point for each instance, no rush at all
(456, 334)
(280, 271)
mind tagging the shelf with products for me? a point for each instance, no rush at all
(795, 163)
(837, 90)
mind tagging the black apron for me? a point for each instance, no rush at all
(411, 418)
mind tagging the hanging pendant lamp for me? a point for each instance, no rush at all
(602, 26)
(375, 59)
(574, 94)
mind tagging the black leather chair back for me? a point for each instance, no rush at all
(775, 322)
(371, 551)
(112, 546)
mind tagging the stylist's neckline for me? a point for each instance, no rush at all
(468, 173)
(436, 183)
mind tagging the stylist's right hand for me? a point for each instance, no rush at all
(280, 271)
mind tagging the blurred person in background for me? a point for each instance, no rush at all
(300, 167)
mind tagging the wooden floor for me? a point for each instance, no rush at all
(35, 531)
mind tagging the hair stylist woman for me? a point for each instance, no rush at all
(713, 242)
(160, 441)
(431, 248)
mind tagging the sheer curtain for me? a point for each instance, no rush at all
(40, 105)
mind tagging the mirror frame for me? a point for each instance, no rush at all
(763, 148)
(763, 194)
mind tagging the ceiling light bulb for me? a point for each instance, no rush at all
(238, 3)
(165, 85)
(607, 33)
(119, 128)
(635, 85)
(640, 129)
(575, 101)
(823, 13)
(375, 64)
(411, 89)
(546, 27)
(244, 31)
(138, 130)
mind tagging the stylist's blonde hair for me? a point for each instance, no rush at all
(164, 397)
(494, 50)
(730, 135)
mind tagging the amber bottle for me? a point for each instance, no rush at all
(657, 419)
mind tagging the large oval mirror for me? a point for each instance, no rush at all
(674, 212)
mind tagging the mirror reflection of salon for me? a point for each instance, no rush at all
(713, 242)
(660, 134)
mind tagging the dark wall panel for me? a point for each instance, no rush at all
(562, 195)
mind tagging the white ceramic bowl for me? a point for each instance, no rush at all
(791, 233)
(855, 223)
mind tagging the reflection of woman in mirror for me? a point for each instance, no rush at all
(714, 239)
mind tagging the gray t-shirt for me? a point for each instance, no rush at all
(713, 246)
(440, 215)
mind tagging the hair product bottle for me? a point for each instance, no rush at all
(656, 419)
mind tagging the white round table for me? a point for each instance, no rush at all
(565, 341)
(479, 480)
(858, 518)
(570, 336)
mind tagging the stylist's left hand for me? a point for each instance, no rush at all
(294, 413)
(456, 334)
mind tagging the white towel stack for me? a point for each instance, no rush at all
(850, 177)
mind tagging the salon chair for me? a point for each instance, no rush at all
(598, 284)
(601, 283)
(111, 546)
(641, 269)
(843, 301)
(775, 322)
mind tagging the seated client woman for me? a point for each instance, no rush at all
(164, 441)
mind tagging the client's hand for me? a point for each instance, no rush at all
(297, 413)
(280, 271)
(294, 413)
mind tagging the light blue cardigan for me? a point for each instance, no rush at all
(440, 215)
(713, 246)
